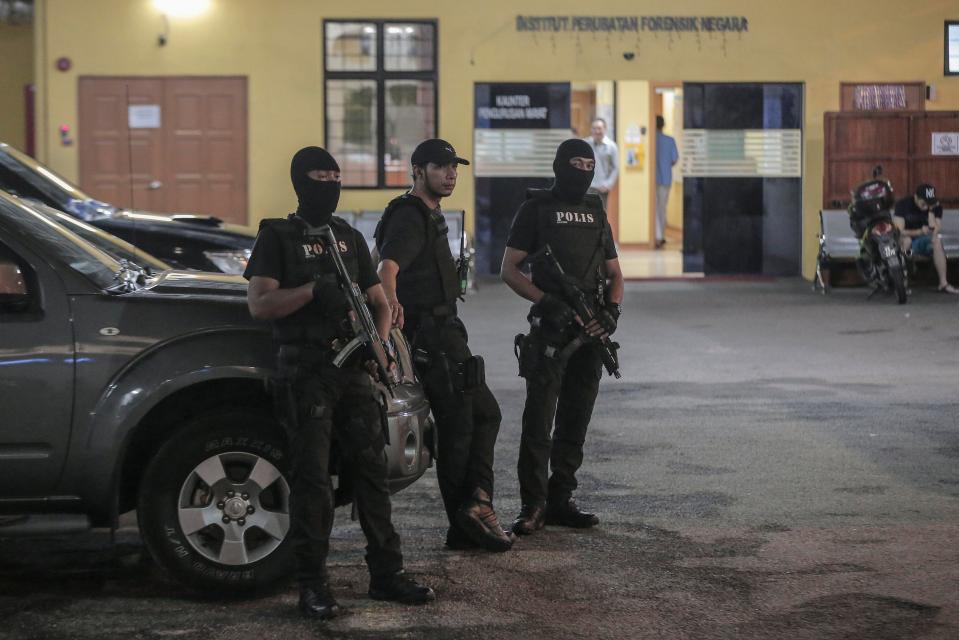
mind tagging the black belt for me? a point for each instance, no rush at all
(431, 316)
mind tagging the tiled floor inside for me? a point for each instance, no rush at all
(648, 263)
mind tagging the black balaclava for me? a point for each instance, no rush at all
(318, 199)
(571, 183)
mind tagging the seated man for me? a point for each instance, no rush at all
(919, 218)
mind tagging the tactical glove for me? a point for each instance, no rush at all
(608, 318)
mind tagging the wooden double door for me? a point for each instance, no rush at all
(903, 143)
(166, 144)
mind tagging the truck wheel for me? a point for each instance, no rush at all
(214, 504)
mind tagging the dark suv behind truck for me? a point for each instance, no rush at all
(184, 241)
(125, 391)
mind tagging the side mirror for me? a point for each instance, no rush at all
(14, 295)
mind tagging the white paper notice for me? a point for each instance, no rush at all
(144, 116)
(945, 144)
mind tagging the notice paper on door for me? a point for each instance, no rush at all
(945, 144)
(143, 116)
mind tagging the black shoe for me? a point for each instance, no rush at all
(399, 587)
(318, 603)
(530, 520)
(478, 522)
(567, 514)
(456, 540)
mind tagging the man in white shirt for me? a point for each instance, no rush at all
(607, 160)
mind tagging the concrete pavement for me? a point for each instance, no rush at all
(773, 464)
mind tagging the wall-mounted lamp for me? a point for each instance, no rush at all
(182, 8)
(177, 9)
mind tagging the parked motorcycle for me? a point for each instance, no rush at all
(881, 261)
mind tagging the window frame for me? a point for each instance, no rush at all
(380, 75)
(945, 48)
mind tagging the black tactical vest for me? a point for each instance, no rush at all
(577, 235)
(304, 260)
(431, 280)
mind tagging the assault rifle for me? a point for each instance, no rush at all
(576, 299)
(362, 325)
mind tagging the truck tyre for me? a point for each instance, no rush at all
(214, 504)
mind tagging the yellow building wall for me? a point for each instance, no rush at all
(632, 111)
(278, 46)
(16, 71)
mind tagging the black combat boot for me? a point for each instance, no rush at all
(399, 587)
(530, 519)
(568, 514)
(318, 603)
(477, 520)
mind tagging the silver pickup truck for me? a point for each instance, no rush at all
(129, 389)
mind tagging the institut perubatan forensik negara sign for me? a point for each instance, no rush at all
(633, 24)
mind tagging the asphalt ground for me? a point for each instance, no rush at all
(773, 464)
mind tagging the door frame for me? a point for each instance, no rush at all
(651, 127)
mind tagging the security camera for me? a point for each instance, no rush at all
(628, 55)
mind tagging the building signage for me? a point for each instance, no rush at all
(945, 144)
(513, 107)
(518, 127)
(632, 24)
(522, 105)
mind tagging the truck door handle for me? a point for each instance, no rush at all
(154, 185)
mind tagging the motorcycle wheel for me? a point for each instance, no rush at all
(898, 283)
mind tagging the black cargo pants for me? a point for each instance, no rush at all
(467, 420)
(341, 405)
(564, 391)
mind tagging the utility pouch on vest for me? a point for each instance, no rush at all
(527, 354)
(469, 374)
(422, 359)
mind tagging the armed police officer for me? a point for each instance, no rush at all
(421, 283)
(576, 289)
(293, 283)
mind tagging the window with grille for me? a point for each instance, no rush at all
(380, 97)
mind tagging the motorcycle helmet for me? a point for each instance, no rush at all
(872, 198)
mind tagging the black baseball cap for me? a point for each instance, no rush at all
(927, 193)
(436, 151)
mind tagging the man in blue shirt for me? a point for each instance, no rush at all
(667, 155)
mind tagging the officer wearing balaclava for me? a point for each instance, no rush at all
(293, 285)
(560, 359)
